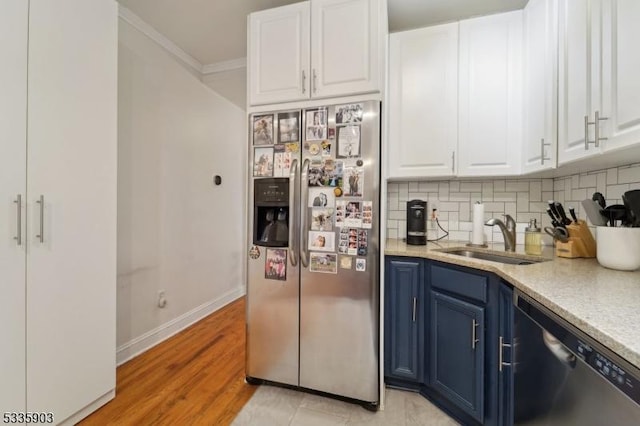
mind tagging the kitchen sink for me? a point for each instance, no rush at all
(494, 257)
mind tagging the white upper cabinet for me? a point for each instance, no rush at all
(316, 49)
(278, 59)
(540, 85)
(621, 73)
(423, 102)
(490, 95)
(344, 47)
(579, 79)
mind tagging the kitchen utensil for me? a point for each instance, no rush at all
(615, 213)
(556, 214)
(554, 222)
(618, 248)
(592, 210)
(558, 233)
(563, 215)
(632, 201)
(599, 198)
(572, 211)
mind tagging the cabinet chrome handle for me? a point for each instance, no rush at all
(315, 81)
(413, 315)
(453, 162)
(474, 324)
(587, 123)
(293, 237)
(304, 82)
(41, 235)
(18, 202)
(542, 157)
(501, 346)
(304, 182)
(597, 121)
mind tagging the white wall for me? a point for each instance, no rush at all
(177, 231)
(232, 84)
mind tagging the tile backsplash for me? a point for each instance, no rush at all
(523, 199)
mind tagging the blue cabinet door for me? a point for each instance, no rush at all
(404, 319)
(457, 348)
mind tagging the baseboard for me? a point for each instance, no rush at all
(75, 418)
(151, 338)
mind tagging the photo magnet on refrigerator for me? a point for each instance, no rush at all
(361, 265)
(367, 214)
(324, 262)
(346, 262)
(254, 252)
(275, 265)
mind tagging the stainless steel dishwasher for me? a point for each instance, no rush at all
(564, 377)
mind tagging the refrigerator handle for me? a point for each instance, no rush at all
(304, 182)
(293, 238)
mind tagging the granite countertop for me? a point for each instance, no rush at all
(603, 303)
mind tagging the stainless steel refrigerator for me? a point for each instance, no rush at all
(313, 249)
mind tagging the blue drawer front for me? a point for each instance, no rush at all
(463, 283)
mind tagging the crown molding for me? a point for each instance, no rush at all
(189, 61)
(232, 64)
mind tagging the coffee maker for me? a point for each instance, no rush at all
(417, 222)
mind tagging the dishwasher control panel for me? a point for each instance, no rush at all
(608, 369)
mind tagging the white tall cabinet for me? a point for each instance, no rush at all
(13, 154)
(315, 49)
(423, 102)
(490, 95)
(540, 85)
(61, 135)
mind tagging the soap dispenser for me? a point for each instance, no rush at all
(533, 239)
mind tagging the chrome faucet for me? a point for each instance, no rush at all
(508, 231)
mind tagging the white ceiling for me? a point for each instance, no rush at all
(211, 31)
(214, 31)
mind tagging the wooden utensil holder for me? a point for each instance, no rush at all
(580, 244)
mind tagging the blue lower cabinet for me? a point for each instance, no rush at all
(457, 352)
(506, 352)
(404, 321)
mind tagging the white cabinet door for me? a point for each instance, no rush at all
(578, 78)
(71, 274)
(13, 144)
(344, 47)
(278, 54)
(490, 116)
(621, 73)
(540, 85)
(423, 102)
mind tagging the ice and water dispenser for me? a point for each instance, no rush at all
(271, 212)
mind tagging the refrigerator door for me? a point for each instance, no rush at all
(273, 292)
(339, 307)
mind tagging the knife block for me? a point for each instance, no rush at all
(580, 244)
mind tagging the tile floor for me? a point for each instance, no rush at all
(274, 406)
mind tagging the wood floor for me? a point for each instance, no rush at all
(194, 378)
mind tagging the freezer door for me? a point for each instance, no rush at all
(272, 321)
(273, 292)
(339, 310)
